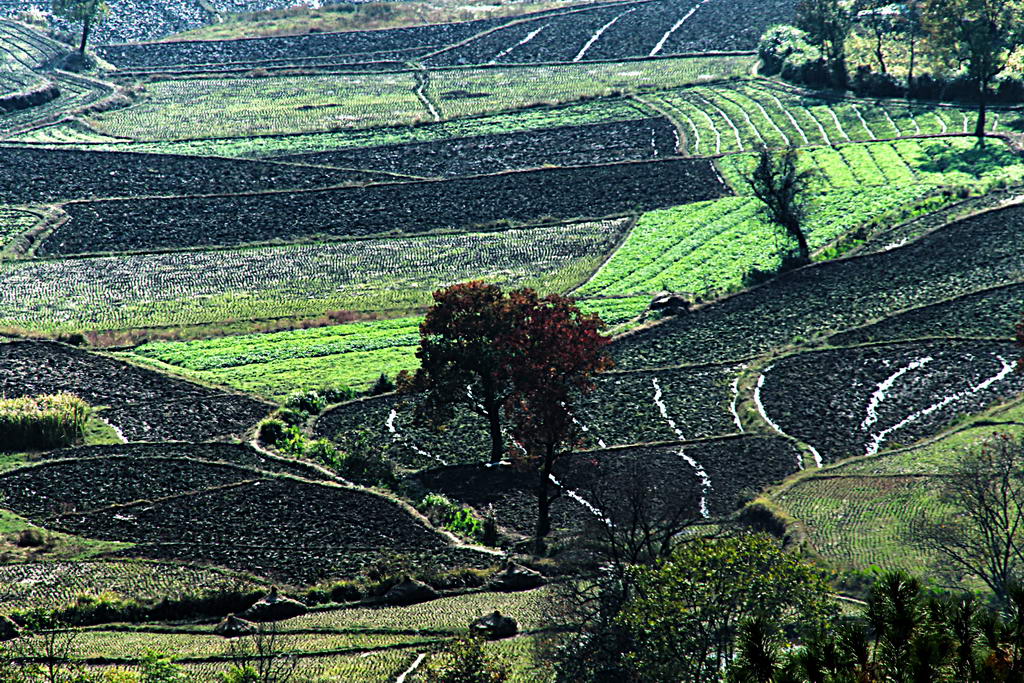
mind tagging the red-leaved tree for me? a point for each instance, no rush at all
(460, 362)
(553, 350)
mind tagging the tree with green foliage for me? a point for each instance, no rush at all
(980, 36)
(463, 661)
(827, 24)
(880, 18)
(687, 613)
(88, 12)
(779, 186)
(460, 363)
(982, 535)
(910, 25)
(157, 667)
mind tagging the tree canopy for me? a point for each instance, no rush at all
(88, 12)
(979, 36)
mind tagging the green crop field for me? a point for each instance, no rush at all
(296, 280)
(595, 111)
(243, 107)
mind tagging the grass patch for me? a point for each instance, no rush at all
(42, 422)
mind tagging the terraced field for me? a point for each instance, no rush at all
(202, 191)
(363, 275)
(355, 212)
(957, 259)
(143, 405)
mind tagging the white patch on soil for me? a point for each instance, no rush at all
(705, 480)
(415, 665)
(597, 35)
(876, 441)
(524, 41)
(399, 438)
(771, 423)
(735, 387)
(675, 27)
(884, 386)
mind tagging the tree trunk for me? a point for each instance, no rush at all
(879, 54)
(839, 73)
(979, 129)
(910, 69)
(86, 24)
(544, 501)
(801, 241)
(494, 424)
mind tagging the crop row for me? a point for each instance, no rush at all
(144, 405)
(446, 614)
(711, 246)
(238, 455)
(860, 522)
(958, 259)
(470, 92)
(74, 92)
(14, 222)
(133, 645)
(33, 175)
(361, 352)
(582, 113)
(623, 30)
(244, 107)
(287, 47)
(27, 47)
(860, 400)
(988, 313)
(51, 585)
(739, 117)
(178, 288)
(366, 667)
(203, 107)
(460, 204)
(297, 531)
(565, 146)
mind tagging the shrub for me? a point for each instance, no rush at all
(30, 538)
(271, 431)
(158, 668)
(322, 450)
(337, 394)
(453, 517)
(290, 416)
(383, 385)
(464, 661)
(292, 443)
(42, 422)
(364, 461)
(777, 44)
(308, 401)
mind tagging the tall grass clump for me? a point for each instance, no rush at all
(41, 422)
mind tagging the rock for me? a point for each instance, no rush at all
(494, 626)
(274, 607)
(670, 303)
(515, 577)
(409, 592)
(233, 627)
